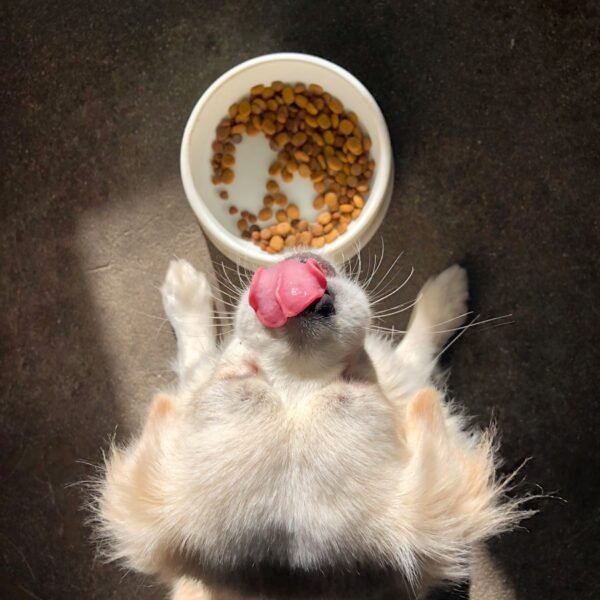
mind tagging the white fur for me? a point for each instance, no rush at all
(321, 458)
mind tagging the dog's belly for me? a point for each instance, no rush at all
(303, 489)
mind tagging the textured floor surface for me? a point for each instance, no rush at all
(494, 116)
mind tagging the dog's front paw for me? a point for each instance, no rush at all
(443, 302)
(185, 292)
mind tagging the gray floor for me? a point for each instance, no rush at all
(494, 116)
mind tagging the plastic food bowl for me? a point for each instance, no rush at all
(253, 157)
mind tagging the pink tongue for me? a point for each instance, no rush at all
(285, 290)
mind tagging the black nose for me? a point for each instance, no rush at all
(323, 307)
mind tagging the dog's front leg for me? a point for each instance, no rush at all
(187, 301)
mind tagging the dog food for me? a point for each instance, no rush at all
(315, 138)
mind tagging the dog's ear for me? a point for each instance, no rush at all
(131, 500)
(450, 481)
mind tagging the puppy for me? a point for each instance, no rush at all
(306, 457)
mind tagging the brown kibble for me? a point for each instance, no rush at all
(246, 235)
(228, 176)
(299, 139)
(315, 89)
(283, 228)
(356, 169)
(244, 108)
(317, 242)
(346, 208)
(252, 218)
(233, 210)
(266, 233)
(223, 132)
(255, 235)
(335, 106)
(342, 228)
(268, 201)
(280, 199)
(358, 201)
(217, 147)
(367, 144)
(245, 214)
(276, 242)
(311, 109)
(334, 163)
(293, 212)
(346, 127)
(303, 225)
(305, 238)
(264, 214)
(233, 110)
(323, 121)
(324, 218)
(268, 92)
(354, 145)
(269, 127)
(301, 156)
(251, 130)
(355, 213)
(331, 236)
(328, 228)
(311, 121)
(216, 179)
(304, 170)
(286, 176)
(242, 225)
(292, 166)
(318, 203)
(300, 100)
(223, 194)
(281, 216)
(272, 186)
(319, 187)
(282, 138)
(316, 229)
(291, 240)
(288, 95)
(275, 168)
(332, 201)
(228, 160)
(239, 128)
(236, 139)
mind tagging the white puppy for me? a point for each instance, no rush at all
(311, 459)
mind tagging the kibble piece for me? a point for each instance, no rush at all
(334, 163)
(335, 106)
(317, 242)
(264, 214)
(319, 187)
(244, 108)
(304, 170)
(324, 121)
(358, 201)
(228, 160)
(327, 228)
(281, 216)
(300, 100)
(346, 208)
(305, 238)
(299, 139)
(266, 233)
(233, 210)
(284, 228)
(280, 199)
(282, 138)
(238, 128)
(311, 109)
(346, 127)
(286, 176)
(255, 236)
(316, 229)
(228, 176)
(269, 127)
(342, 228)
(291, 240)
(288, 95)
(242, 225)
(275, 168)
(246, 235)
(355, 213)
(315, 89)
(353, 144)
(332, 200)
(293, 212)
(276, 242)
(272, 186)
(324, 218)
(223, 195)
(318, 203)
(223, 132)
(331, 236)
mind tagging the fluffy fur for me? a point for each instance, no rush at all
(312, 461)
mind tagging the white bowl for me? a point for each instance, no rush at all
(253, 156)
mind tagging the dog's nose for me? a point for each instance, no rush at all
(323, 308)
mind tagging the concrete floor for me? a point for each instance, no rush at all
(494, 116)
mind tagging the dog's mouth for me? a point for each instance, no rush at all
(294, 287)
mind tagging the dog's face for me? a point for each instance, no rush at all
(328, 333)
(289, 456)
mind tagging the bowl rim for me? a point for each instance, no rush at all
(346, 245)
